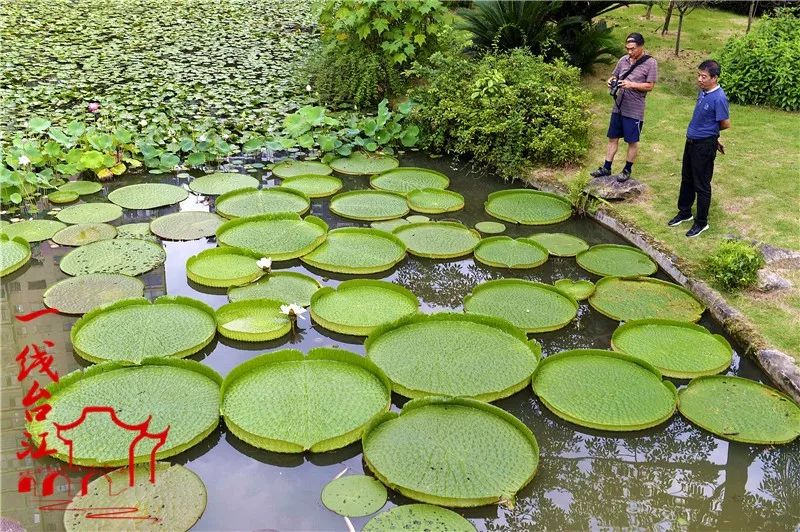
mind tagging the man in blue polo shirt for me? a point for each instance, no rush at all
(702, 142)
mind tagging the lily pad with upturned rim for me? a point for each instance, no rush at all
(369, 205)
(560, 244)
(417, 218)
(580, 290)
(354, 495)
(14, 253)
(438, 240)
(222, 182)
(292, 168)
(252, 202)
(286, 287)
(361, 163)
(82, 188)
(129, 256)
(280, 235)
(224, 267)
(490, 228)
(314, 185)
(434, 200)
(147, 196)
(357, 250)
(90, 213)
(418, 517)
(506, 252)
(62, 196)
(613, 260)
(82, 234)
(33, 230)
(253, 320)
(642, 298)
(407, 178)
(186, 225)
(78, 295)
(528, 207)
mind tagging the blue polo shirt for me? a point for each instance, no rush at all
(710, 109)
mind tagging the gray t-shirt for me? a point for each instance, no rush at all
(631, 102)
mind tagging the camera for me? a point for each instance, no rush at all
(614, 87)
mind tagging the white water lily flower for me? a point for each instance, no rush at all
(201, 138)
(308, 88)
(265, 263)
(294, 310)
(23, 159)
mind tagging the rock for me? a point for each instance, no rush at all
(607, 187)
(769, 281)
(787, 257)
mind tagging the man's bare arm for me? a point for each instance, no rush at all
(725, 124)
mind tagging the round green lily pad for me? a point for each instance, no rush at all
(224, 267)
(14, 253)
(314, 185)
(438, 240)
(604, 390)
(90, 213)
(506, 252)
(129, 256)
(82, 234)
(612, 260)
(286, 287)
(188, 402)
(463, 355)
(62, 196)
(33, 230)
(134, 329)
(490, 228)
(280, 235)
(359, 306)
(293, 168)
(253, 320)
(579, 290)
(78, 295)
(369, 205)
(389, 225)
(533, 307)
(528, 207)
(451, 451)
(147, 196)
(560, 244)
(740, 410)
(222, 182)
(434, 200)
(136, 230)
(638, 299)
(81, 188)
(187, 225)
(357, 250)
(404, 180)
(251, 202)
(287, 402)
(417, 218)
(418, 517)
(175, 501)
(361, 163)
(354, 495)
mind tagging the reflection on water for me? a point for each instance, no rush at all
(672, 476)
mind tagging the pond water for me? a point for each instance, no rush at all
(672, 476)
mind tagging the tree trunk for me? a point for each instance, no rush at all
(649, 10)
(678, 38)
(751, 15)
(665, 29)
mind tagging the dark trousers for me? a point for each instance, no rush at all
(698, 167)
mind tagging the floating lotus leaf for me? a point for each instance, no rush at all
(418, 517)
(638, 299)
(463, 355)
(253, 320)
(404, 180)
(129, 256)
(434, 200)
(359, 306)
(90, 213)
(676, 348)
(286, 287)
(224, 267)
(438, 240)
(490, 228)
(147, 196)
(82, 188)
(33, 230)
(187, 225)
(136, 230)
(354, 495)
(533, 307)
(62, 196)
(82, 234)
(613, 260)
(417, 218)
(14, 253)
(361, 163)
(604, 390)
(740, 410)
(187, 402)
(505, 252)
(251, 202)
(389, 225)
(280, 235)
(78, 295)
(314, 185)
(222, 182)
(293, 168)
(357, 250)
(451, 451)
(560, 244)
(579, 290)
(528, 207)
(286, 402)
(134, 329)
(369, 205)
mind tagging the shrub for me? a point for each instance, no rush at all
(735, 264)
(761, 67)
(506, 110)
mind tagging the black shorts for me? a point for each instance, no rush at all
(624, 127)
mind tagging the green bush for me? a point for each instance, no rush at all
(761, 67)
(735, 264)
(507, 111)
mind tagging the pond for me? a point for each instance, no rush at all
(667, 477)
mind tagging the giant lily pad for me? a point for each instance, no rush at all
(187, 225)
(129, 256)
(438, 240)
(222, 182)
(418, 517)
(369, 205)
(490, 228)
(604, 390)
(359, 306)
(14, 253)
(404, 180)
(280, 235)
(740, 410)
(286, 402)
(186, 407)
(139, 230)
(314, 185)
(434, 200)
(579, 290)
(33, 230)
(676, 348)
(528, 207)
(357, 250)
(612, 260)
(533, 307)
(78, 295)
(82, 234)
(131, 330)
(560, 244)
(286, 287)
(82, 188)
(638, 299)
(354, 495)
(62, 196)
(361, 163)
(90, 213)
(253, 320)
(147, 196)
(389, 225)
(251, 202)
(292, 168)
(505, 252)
(224, 267)
(463, 355)
(451, 452)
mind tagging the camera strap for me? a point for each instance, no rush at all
(627, 73)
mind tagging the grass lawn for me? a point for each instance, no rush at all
(756, 185)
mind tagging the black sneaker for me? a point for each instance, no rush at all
(623, 176)
(696, 230)
(600, 172)
(679, 219)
